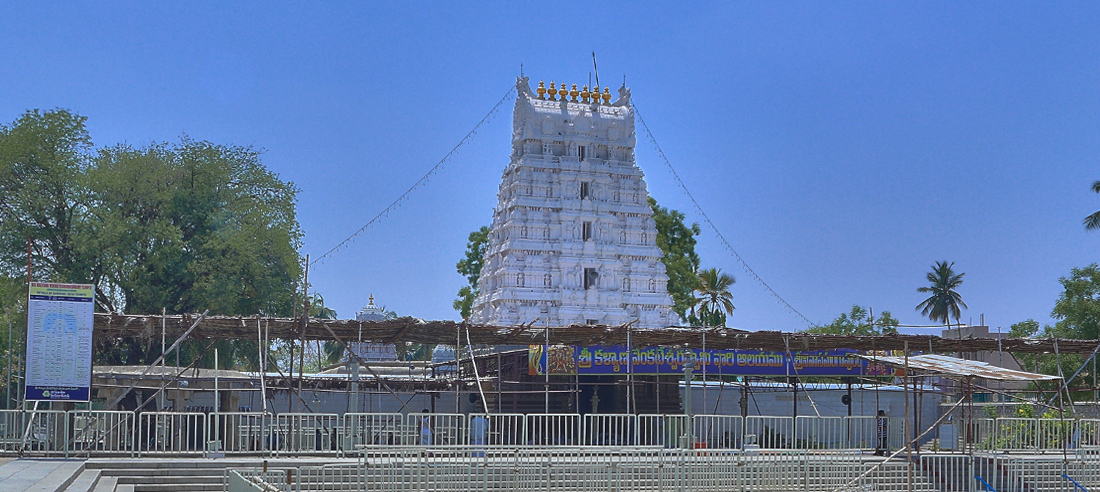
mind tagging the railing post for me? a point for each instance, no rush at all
(805, 470)
(67, 430)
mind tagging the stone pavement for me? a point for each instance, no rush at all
(38, 475)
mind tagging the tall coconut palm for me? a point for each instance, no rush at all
(712, 297)
(1093, 220)
(943, 303)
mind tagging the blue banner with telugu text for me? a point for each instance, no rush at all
(608, 360)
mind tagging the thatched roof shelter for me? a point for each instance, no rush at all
(447, 332)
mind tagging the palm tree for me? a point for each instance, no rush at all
(712, 297)
(330, 352)
(943, 303)
(1093, 220)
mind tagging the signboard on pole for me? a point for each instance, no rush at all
(60, 319)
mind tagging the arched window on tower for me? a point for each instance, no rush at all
(626, 284)
(652, 285)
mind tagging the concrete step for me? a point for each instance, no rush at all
(218, 487)
(84, 482)
(171, 479)
(106, 484)
(157, 472)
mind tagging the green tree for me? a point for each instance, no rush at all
(713, 300)
(858, 321)
(677, 241)
(13, 319)
(1078, 313)
(185, 226)
(1024, 329)
(470, 267)
(194, 226)
(1092, 221)
(943, 302)
(331, 351)
(1078, 306)
(43, 197)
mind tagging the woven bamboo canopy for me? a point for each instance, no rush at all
(446, 332)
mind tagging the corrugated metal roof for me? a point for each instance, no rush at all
(943, 364)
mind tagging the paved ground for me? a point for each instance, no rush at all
(44, 475)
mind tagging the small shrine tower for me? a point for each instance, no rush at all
(370, 351)
(573, 240)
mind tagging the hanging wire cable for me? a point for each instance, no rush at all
(717, 233)
(420, 182)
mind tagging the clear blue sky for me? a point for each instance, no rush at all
(841, 148)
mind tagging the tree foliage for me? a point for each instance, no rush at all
(470, 267)
(713, 300)
(1024, 329)
(677, 241)
(1092, 221)
(943, 303)
(1078, 306)
(858, 321)
(1078, 313)
(184, 226)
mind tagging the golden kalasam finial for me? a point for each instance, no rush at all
(552, 91)
(606, 95)
(584, 94)
(573, 93)
(563, 91)
(541, 90)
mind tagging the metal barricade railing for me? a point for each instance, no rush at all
(861, 432)
(822, 433)
(436, 429)
(11, 431)
(180, 433)
(718, 431)
(770, 432)
(330, 478)
(1086, 434)
(1011, 434)
(390, 468)
(552, 430)
(617, 469)
(502, 429)
(976, 432)
(305, 433)
(45, 435)
(661, 430)
(1033, 474)
(101, 432)
(610, 430)
(949, 472)
(240, 432)
(1054, 434)
(122, 433)
(374, 429)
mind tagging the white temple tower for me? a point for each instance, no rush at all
(572, 239)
